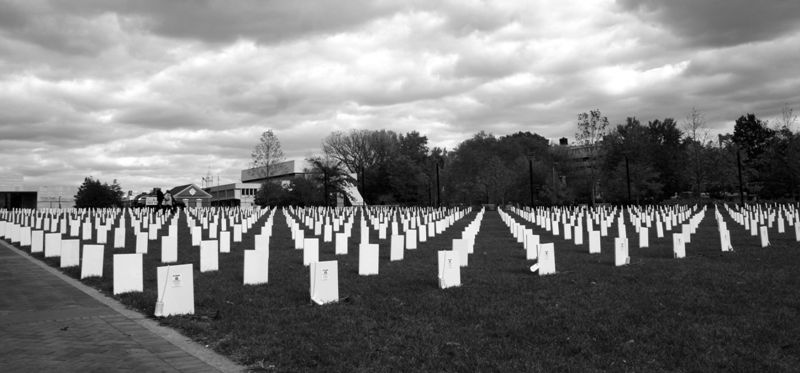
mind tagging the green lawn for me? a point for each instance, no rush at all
(711, 311)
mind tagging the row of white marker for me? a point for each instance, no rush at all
(75, 222)
(175, 282)
(368, 252)
(324, 281)
(127, 267)
(324, 275)
(544, 253)
(23, 229)
(758, 222)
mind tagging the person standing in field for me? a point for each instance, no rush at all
(167, 202)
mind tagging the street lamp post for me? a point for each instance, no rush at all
(739, 166)
(430, 193)
(530, 173)
(325, 184)
(555, 193)
(438, 187)
(363, 184)
(628, 178)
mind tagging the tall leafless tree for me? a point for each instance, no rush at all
(591, 131)
(696, 131)
(788, 117)
(267, 153)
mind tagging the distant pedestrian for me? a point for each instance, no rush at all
(167, 202)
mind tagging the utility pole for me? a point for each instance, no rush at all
(530, 172)
(438, 188)
(363, 185)
(739, 166)
(430, 191)
(555, 193)
(325, 184)
(628, 177)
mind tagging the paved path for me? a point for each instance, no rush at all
(52, 323)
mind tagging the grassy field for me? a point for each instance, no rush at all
(711, 311)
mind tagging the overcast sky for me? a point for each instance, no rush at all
(159, 93)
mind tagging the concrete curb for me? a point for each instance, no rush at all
(209, 357)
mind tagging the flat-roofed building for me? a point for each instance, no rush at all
(56, 196)
(282, 172)
(14, 195)
(236, 194)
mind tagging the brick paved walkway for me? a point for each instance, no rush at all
(51, 323)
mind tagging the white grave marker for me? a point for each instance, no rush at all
(594, 242)
(141, 242)
(70, 253)
(449, 269)
(678, 246)
(225, 241)
(532, 250)
(25, 236)
(175, 290)
(461, 249)
(368, 259)
(209, 255)
(310, 251)
(621, 257)
(152, 232)
(92, 262)
(237, 233)
(197, 235)
(341, 243)
(324, 282)
(547, 260)
(411, 239)
(169, 249)
(261, 242)
(644, 237)
(37, 241)
(578, 235)
(52, 245)
(397, 247)
(119, 237)
(127, 273)
(256, 267)
(725, 240)
(299, 239)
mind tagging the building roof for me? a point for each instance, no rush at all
(232, 186)
(188, 191)
(282, 169)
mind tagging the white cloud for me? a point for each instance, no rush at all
(156, 93)
(619, 80)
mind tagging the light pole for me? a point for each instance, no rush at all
(555, 193)
(430, 191)
(739, 166)
(628, 177)
(325, 184)
(438, 187)
(530, 173)
(363, 184)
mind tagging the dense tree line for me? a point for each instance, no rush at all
(93, 193)
(664, 162)
(632, 162)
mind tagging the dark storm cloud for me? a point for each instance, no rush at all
(155, 93)
(37, 23)
(164, 116)
(219, 21)
(720, 23)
